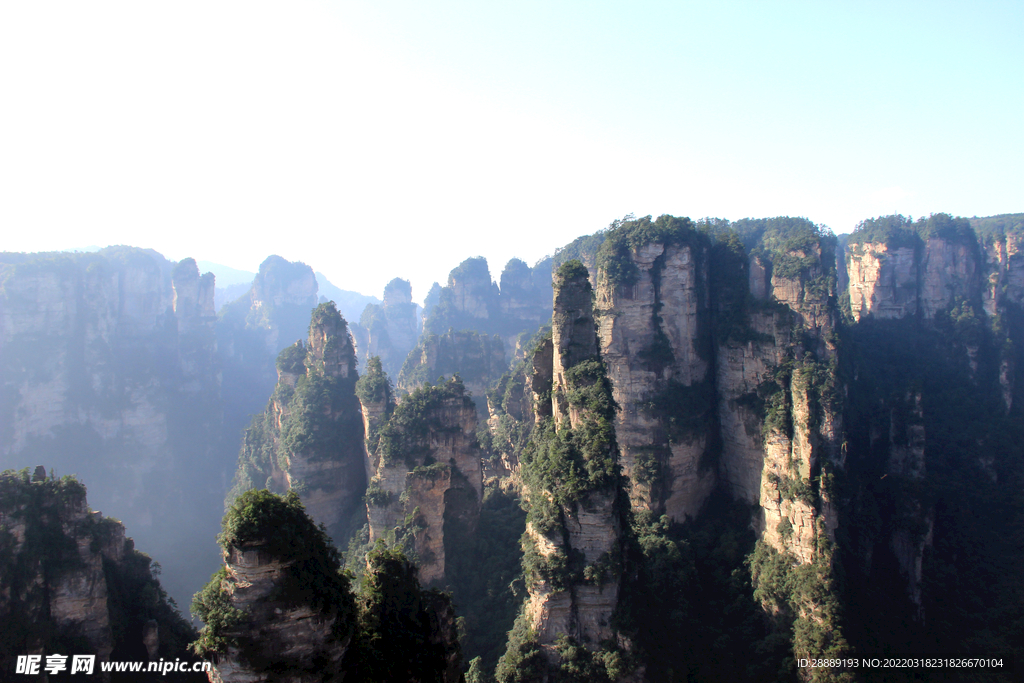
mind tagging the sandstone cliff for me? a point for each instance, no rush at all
(309, 438)
(72, 582)
(574, 525)
(280, 607)
(426, 474)
(109, 368)
(478, 359)
(653, 307)
(389, 330)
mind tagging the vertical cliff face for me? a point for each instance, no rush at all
(426, 474)
(898, 269)
(574, 525)
(779, 413)
(655, 339)
(390, 329)
(288, 634)
(70, 580)
(1003, 271)
(280, 608)
(254, 328)
(742, 366)
(472, 301)
(949, 271)
(310, 438)
(883, 281)
(473, 293)
(109, 368)
(478, 359)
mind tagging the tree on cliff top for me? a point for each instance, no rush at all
(404, 437)
(397, 637)
(375, 386)
(614, 258)
(279, 526)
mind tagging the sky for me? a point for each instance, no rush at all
(375, 139)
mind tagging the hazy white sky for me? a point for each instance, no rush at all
(382, 139)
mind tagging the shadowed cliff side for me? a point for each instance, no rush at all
(934, 431)
(109, 369)
(71, 582)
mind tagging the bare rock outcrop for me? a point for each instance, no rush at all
(655, 340)
(883, 281)
(280, 609)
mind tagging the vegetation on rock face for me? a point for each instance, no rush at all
(569, 462)
(997, 228)
(404, 437)
(278, 526)
(485, 573)
(62, 540)
(897, 231)
(374, 386)
(393, 630)
(584, 249)
(627, 236)
(292, 360)
(523, 661)
(963, 509)
(400, 626)
(213, 607)
(317, 419)
(803, 603)
(475, 357)
(894, 231)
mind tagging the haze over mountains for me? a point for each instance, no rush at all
(710, 448)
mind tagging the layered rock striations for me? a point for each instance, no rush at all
(310, 437)
(280, 609)
(71, 580)
(572, 543)
(653, 307)
(426, 474)
(109, 367)
(900, 269)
